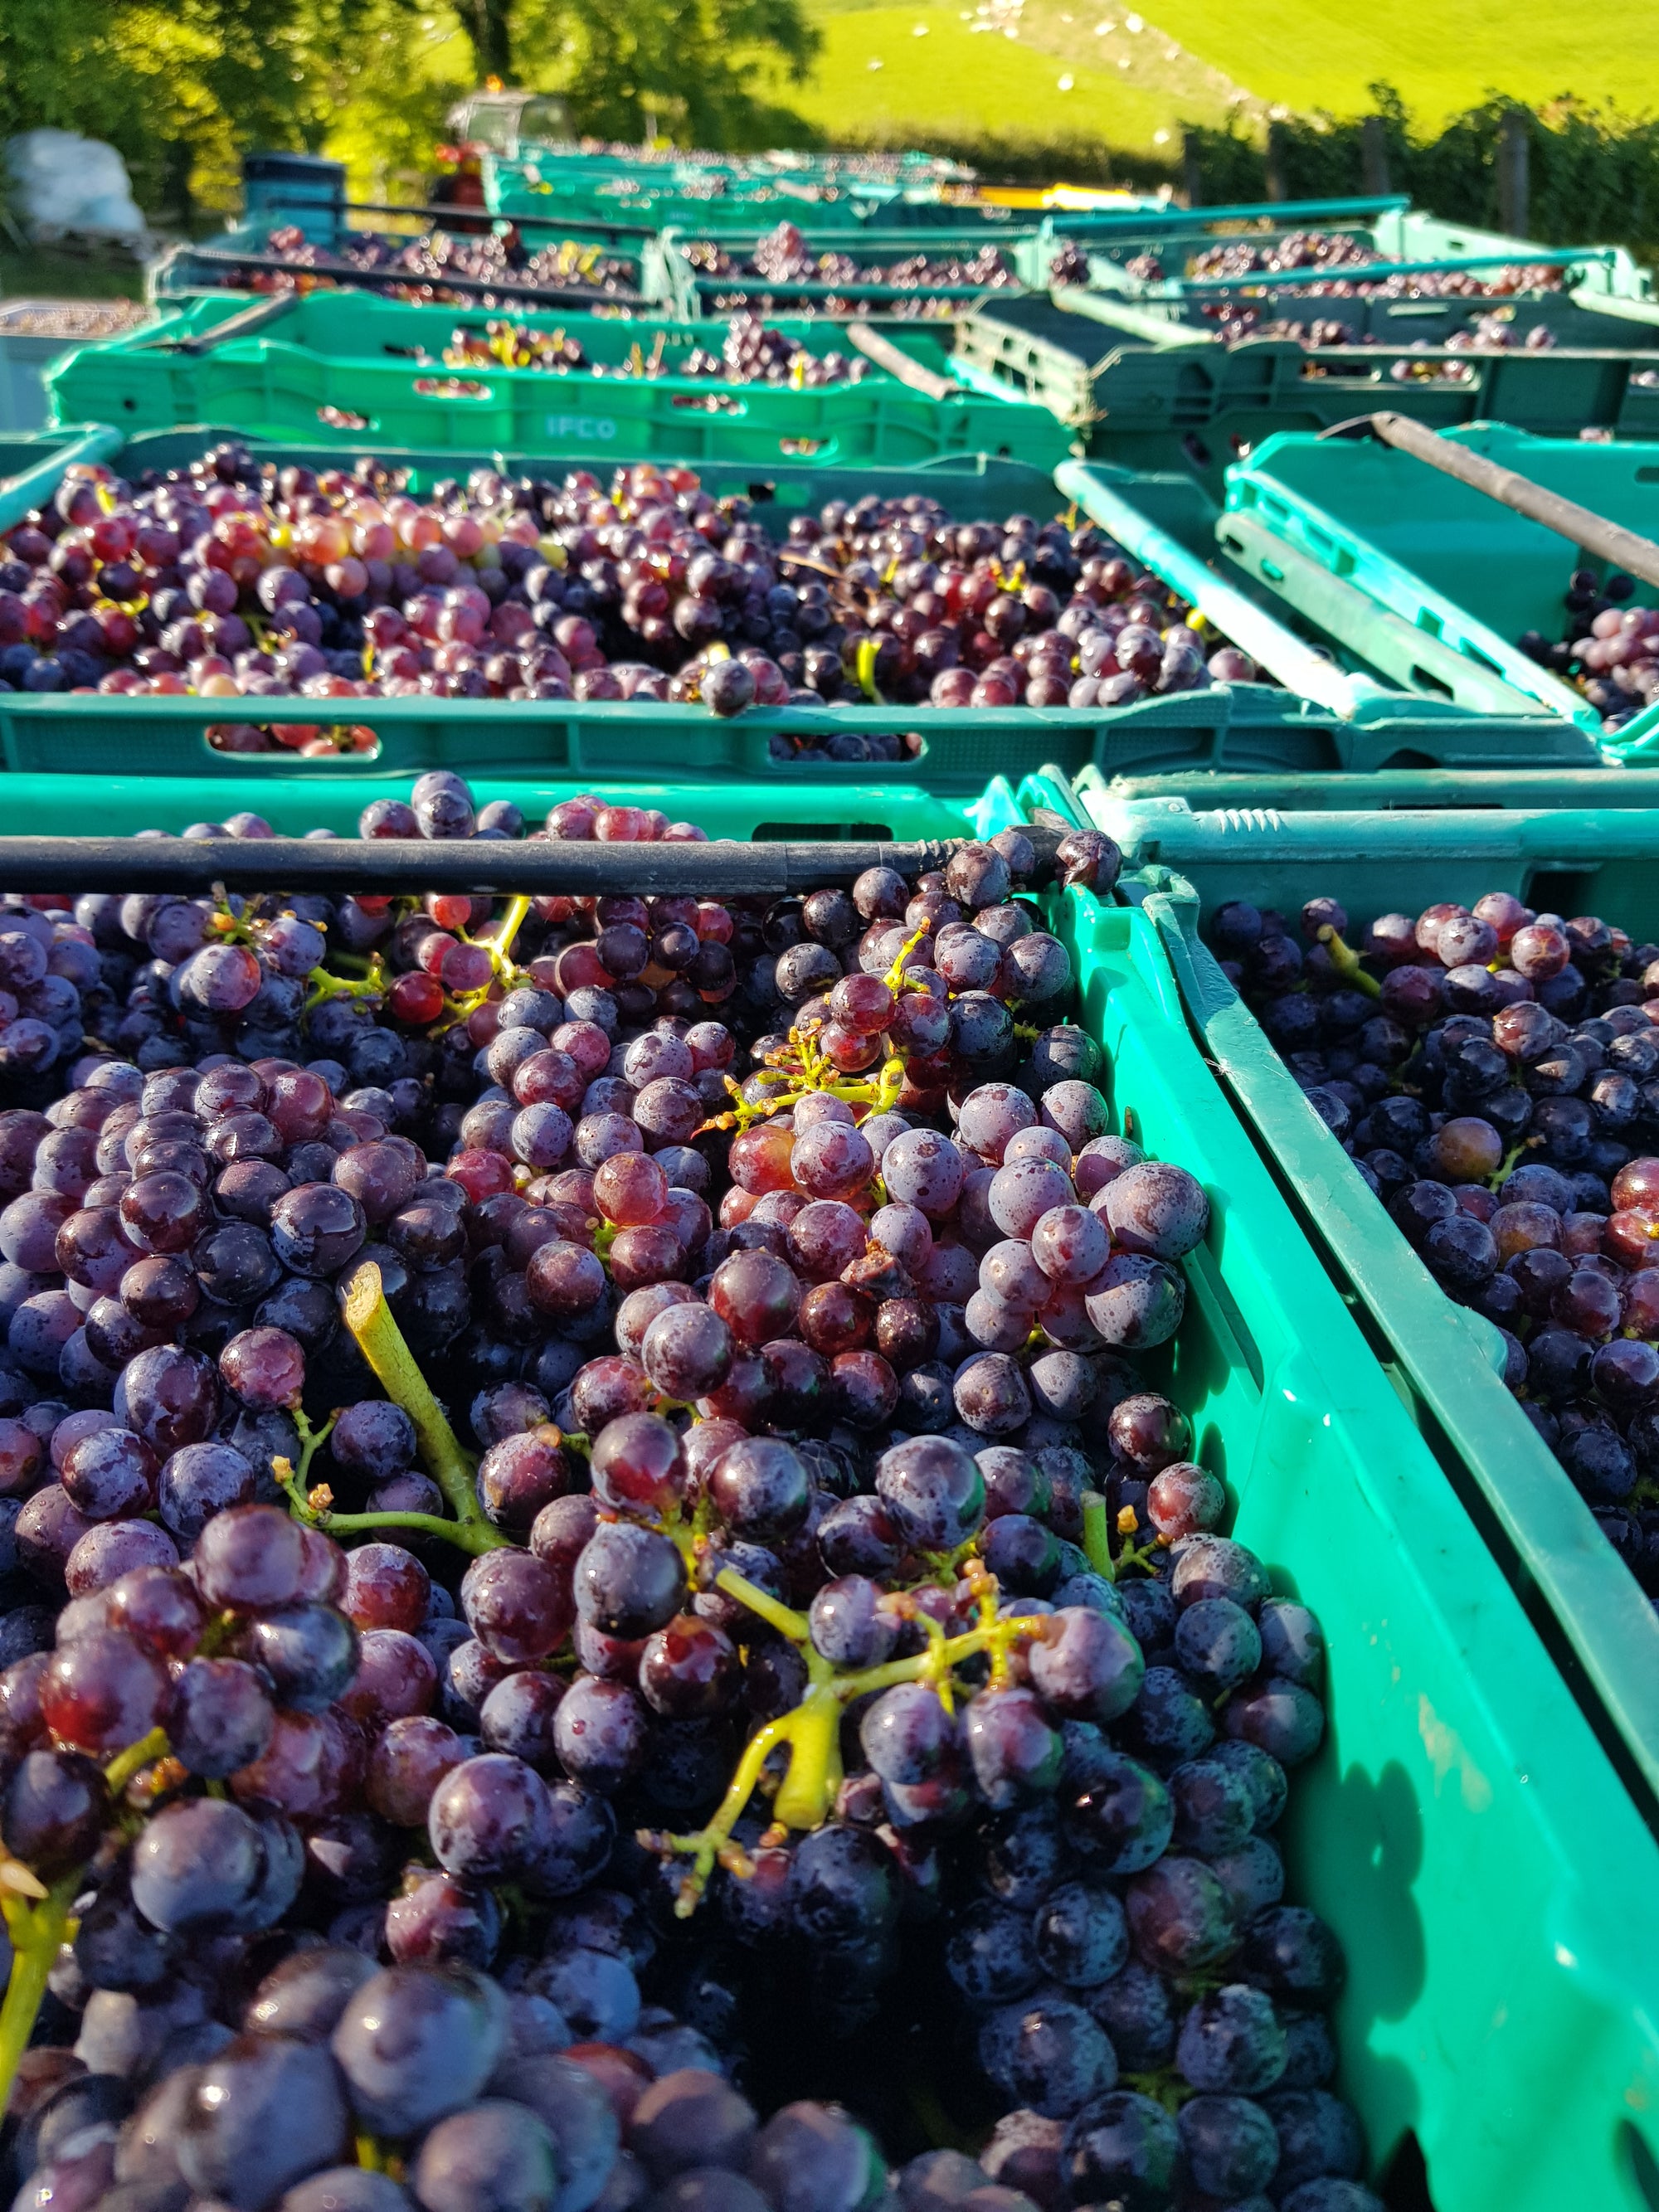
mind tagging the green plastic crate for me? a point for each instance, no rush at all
(348, 364)
(1152, 394)
(1168, 521)
(1401, 790)
(1249, 726)
(1575, 316)
(1341, 1494)
(1463, 1829)
(1579, 861)
(28, 351)
(217, 264)
(1380, 549)
(736, 807)
(1243, 728)
(846, 205)
(1395, 230)
(32, 466)
(669, 275)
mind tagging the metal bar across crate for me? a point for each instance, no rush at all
(1625, 549)
(440, 215)
(485, 867)
(1282, 214)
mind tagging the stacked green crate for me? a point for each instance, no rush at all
(1312, 718)
(1463, 1828)
(360, 366)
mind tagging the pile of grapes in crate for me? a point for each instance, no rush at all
(1609, 650)
(1242, 261)
(785, 1705)
(751, 353)
(1237, 319)
(1253, 267)
(241, 581)
(422, 265)
(1494, 1074)
(784, 258)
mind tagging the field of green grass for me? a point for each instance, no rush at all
(885, 70)
(1079, 70)
(1445, 55)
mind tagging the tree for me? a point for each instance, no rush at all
(488, 25)
(698, 70)
(182, 89)
(697, 65)
(213, 76)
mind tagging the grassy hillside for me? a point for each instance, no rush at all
(1445, 55)
(1195, 61)
(950, 70)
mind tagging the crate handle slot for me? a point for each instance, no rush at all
(1428, 681)
(338, 733)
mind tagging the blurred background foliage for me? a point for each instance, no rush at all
(183, 88)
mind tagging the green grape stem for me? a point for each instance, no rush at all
(1508, 1164)
(380, 1341)
(38, 1920)
(326, 985)
(37, 1932)
(1346, 961)
(1096, 1536)
(811, 1731)
(499, 944)
(1165, 2085)
(475, 1537)
(134, 1759)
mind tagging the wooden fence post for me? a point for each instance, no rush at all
(1277, 189)
(1374, 158)
(1514, 145)
(1191, 172)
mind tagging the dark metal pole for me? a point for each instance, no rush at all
(1514, 149)
(1579, 526)
(1374, 155)
(369, 280)
(481, 867)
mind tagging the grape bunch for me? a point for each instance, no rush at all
(502, 344)
(751, 353)
(1494, 1074)
(986, 615)
(1069, 264)
(1237, 258)
(1296, 249)
(498, 258)
(239, 580)
(783, 256)
(1238, 320)
(1609, 650)
(586, 1557)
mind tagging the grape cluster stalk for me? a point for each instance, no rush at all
(600, 1610)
